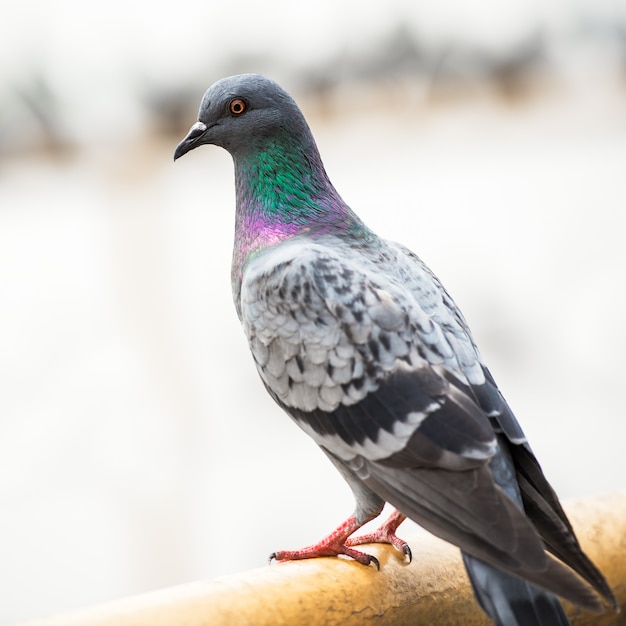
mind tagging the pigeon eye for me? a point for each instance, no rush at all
(237, 106)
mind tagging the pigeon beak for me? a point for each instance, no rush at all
(191, 140)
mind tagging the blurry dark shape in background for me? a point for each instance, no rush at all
(442, 71)
(512, 74)
(33, 119)
(401, 60)
(171, 109)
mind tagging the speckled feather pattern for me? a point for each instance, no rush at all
(328, 322)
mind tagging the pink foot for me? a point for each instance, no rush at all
(335, 544)
(385, 534)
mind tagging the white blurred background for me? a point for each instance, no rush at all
(137, 446)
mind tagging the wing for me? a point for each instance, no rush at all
(377, 365)
(326, 332)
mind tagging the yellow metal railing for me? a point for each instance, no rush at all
(433, 590)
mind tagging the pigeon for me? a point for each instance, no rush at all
(360, 344)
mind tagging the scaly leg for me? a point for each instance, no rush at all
(385, 534)
(335, 544)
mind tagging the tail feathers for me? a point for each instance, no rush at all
(544, 509)
(511, 601)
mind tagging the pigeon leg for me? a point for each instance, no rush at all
(333, 545)
(385, 534)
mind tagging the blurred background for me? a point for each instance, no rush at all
(138, 449)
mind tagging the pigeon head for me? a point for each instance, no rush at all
(282, 189)
(280, 180)
(242, 113)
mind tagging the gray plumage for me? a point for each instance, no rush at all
(357, 340)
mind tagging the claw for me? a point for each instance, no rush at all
(407, 552)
